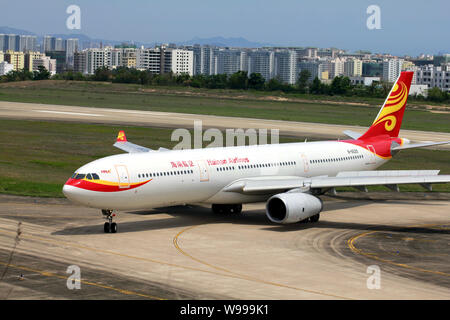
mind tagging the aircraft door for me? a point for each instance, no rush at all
(203, 169)
(305, 162)
(124, 177)
(372, 157)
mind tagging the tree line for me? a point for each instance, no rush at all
(339, 86)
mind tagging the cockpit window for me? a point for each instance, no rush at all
(74, 175)
(95, 176)
(89, 176)
(80, 176)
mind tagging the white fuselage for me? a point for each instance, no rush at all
(200, 175)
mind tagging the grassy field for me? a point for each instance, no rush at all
(37, 157)
(214, 102)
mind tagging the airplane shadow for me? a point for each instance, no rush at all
(192, 215)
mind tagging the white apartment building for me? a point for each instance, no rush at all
(182, 61)
(392, 69)
(262, 62)
(97, 58)
(286, 66)
(434, 76)
(312, 66)
(5, 67)
(227, 61)
(149, 59)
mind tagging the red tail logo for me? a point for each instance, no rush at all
(121, 137)
(389, 119)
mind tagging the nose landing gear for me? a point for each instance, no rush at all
(109, 226)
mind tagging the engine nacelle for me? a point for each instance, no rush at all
(292, 207)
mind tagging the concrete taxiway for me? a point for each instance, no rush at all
(188, 252)
(16, 110)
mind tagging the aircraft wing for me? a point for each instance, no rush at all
(129, 147)
(389, 178)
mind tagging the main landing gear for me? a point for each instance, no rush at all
(109, 226)
(226, 208)
(313, 219)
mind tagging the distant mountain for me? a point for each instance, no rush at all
(225, 42)
(8, 30)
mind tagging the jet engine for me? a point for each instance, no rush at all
(292, 207)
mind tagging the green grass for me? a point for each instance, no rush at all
(201, 101)
(37, 157)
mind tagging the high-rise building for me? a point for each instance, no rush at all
(392, 69)
(71, 46)
(353, 68)
(227, 61)
(128, 57)
(311, 66)
(35, 59)
(3, 44)
(49, 43)
(149, 59)
(13, 42)
(434, 76)
(182, 61)
(286, 66)
(262, 62)
(60, 57)
(372, 69)
(27, 43)
(79, 62)
(16, 58)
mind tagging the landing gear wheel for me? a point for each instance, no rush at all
(226, 208)
(236, 208)
(109, 226)
(314, 218)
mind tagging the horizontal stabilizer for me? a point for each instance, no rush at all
(352, 134)
(419, 145)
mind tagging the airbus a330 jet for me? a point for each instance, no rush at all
(289, 177)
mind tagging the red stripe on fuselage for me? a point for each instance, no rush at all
(101, 187)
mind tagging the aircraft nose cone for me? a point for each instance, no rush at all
(67, 190)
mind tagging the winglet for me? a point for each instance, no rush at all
(121, 137)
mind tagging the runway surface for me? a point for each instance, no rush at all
(188, 252)
(16, 110)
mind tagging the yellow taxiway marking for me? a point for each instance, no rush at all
(226, 273)
(90, 283)
(351, 245)
(246, 277)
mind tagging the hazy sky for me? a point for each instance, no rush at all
(407, 26)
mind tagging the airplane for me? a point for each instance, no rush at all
(289, 177)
